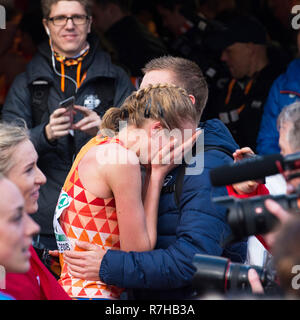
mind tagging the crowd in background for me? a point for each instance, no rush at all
(244, 62)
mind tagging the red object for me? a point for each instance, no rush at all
(36, 284)
(260, 191)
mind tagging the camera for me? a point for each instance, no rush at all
(249, 217)
(220, 275)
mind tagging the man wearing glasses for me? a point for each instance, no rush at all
(70, 64)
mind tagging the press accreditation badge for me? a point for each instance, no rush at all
(62, 241)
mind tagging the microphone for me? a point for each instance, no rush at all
(255, 168)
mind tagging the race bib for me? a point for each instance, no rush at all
(62, 241)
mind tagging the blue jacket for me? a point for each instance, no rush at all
(284, 91)
(4, 296)
(198, 226)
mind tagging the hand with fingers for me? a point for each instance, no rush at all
(59, 125)
(255, 282)
(282, 215)
(172, 154)
(245, 187)
(85, 264)
(90, 124)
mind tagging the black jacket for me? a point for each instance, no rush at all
(243, 112)
(55, 160)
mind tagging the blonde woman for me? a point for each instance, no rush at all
(103, 200)
(18, 163)
(16, 231)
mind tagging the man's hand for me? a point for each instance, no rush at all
(255, 282)
(91, 122)
(85, 264)
(247, 186)
(283, 216)
(241, 154)
(59, 125)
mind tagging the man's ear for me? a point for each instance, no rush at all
(192, 98)
(45, 24)
(155, 127)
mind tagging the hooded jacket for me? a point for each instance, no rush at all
(284, 91)
(196, 226)
(55, 159)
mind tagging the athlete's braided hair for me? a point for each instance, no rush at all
(166, 103)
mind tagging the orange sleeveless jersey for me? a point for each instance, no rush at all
(92, 220)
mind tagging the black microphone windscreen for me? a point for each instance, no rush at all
(255, 168)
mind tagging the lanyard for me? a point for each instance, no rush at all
(71, 62)
(246, 92)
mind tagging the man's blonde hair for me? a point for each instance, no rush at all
(187, 75)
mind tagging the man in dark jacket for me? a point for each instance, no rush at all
(72, 65)
(196, 225)
(240, 101)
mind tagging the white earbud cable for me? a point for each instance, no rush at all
(54, 67)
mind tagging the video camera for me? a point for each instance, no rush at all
(217, 274)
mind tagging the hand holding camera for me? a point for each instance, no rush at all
(247, 217)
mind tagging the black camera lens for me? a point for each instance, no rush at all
(217, 274)
(247, 217)
(211, 272)
(250, 218)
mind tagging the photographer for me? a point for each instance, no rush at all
(280, 240)
(258, 216)
(288, 124)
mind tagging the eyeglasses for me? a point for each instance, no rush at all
(63, 20)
